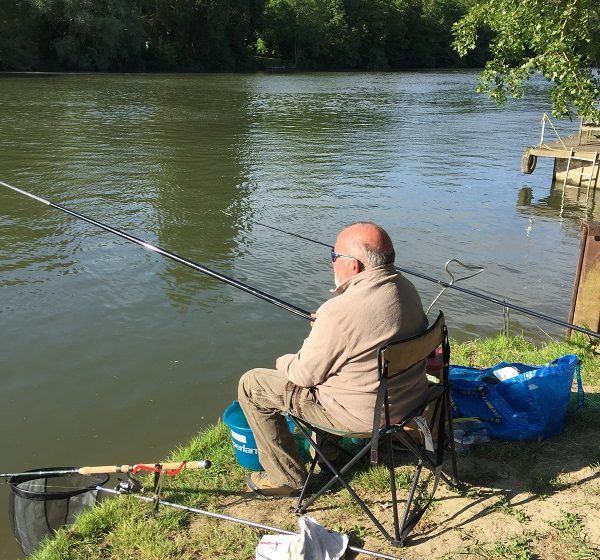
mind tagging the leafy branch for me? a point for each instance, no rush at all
(530, 36)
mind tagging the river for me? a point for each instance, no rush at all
(111, 354)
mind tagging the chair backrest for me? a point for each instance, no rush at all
(403, 384)
(403, 387)
(396, 357)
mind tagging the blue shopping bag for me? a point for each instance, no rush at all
(532, 404)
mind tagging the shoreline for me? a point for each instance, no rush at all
(512, 485)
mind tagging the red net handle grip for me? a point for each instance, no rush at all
(170, 469)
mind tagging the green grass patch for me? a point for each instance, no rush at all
(488, 352)
(377, 479)
(517, 548)
(503, 506)
(124, 527)
(571, 531)
(541, 485)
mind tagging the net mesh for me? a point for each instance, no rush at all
(40, 504)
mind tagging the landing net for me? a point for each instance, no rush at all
(40, 504)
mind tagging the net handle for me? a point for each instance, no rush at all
(145, 466)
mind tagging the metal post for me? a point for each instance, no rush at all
(585, 303)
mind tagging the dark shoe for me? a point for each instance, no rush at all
(258, 482)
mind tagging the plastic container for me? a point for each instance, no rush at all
(469, 431)
(242, 438)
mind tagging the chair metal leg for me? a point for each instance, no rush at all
(413, 510)
(337, 477)
(410, 523)
(451, 440)
(300, 506)
(306, 484)
(392, 471)
(401, 536)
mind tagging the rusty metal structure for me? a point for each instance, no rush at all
(585, 303)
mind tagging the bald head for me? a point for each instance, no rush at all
(368, 242)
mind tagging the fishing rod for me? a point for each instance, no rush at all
(170, 469)
(173, 256)
(166, 468)
(239, 520)
(453, 286)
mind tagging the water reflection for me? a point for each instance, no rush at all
(571, 203)
(200, 178)
(421, 154)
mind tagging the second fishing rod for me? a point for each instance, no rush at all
(169, 254)
(445, 285)
(268, 297)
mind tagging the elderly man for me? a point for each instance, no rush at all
(332, 381)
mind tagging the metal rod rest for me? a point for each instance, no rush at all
(239, 520)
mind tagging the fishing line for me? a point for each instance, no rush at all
(239, 520)
(276, 301)
(173, 256)
(443, 284)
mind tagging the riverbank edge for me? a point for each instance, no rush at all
(125, 527)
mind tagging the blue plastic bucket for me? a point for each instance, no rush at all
(244, 444)
(242, 438)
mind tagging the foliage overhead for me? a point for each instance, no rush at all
(558, 38)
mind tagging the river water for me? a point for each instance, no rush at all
(110, 354)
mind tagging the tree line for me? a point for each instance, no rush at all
(231, 35)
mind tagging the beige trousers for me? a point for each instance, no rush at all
(263, 394)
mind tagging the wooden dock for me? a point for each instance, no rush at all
(576, 157)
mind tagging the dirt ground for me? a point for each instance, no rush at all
(538, 500)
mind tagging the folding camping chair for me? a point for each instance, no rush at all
(431, 416)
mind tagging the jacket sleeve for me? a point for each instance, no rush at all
(322, 353)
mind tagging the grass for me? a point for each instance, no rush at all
(541, 485)
(377, 478)
(517, 548)
(503, 506)
(570, 528)
(125, 528)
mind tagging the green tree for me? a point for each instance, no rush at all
(343, 43)
(89, 35)
(594, 44)
(19, 22)
(554, 37)
(199, 34)
(296, 30)
(437, 19)
(369, 22)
